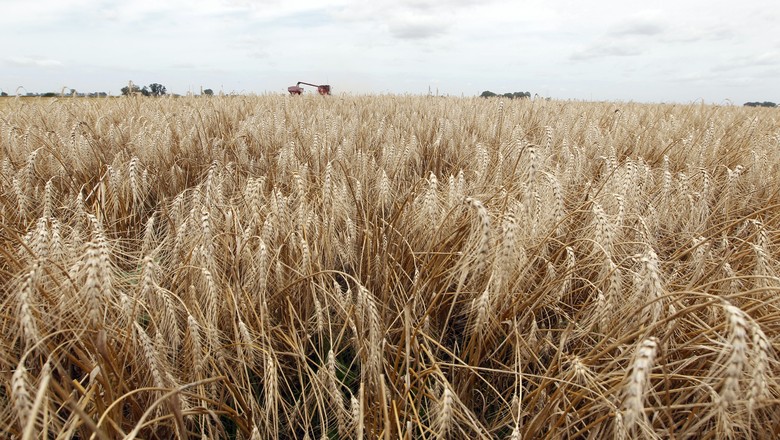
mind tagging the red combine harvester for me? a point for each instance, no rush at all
(323, 89)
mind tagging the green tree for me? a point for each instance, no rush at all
(208, 92)
(156, 89)
(126, 90)
(487, 94)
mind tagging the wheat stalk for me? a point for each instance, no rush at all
(634, 392)
(445, 413)
(27, 318)
(761, 353)
(152, 357)
(737, 321)
(735, 363)
(20, 392)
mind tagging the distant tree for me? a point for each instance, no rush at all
(156, 89)
(151, 90)
(761, 104)
(126, 90)
(487, 94)
(208, 92)
(49, 95)
(3, 94)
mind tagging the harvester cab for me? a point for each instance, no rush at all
(323, 89)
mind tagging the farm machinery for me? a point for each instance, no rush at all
(322, 89)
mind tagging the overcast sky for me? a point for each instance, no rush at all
(658, 51)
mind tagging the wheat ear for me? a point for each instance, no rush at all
(633, 402)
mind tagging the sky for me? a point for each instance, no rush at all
(713, 51)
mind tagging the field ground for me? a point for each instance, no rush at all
(395, 267)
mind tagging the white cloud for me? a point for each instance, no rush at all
(766, 59)
(750, 64)
(696, 33)
(606, 49)
(32, 62)
(642, 25)
(408, 19)
(416, 28)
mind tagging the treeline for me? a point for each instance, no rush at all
(519, 95)
(63, 94)
(154, 89)
(761, 104)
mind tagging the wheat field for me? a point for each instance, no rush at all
(404, 267)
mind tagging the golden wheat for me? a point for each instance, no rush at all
(388, 266)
